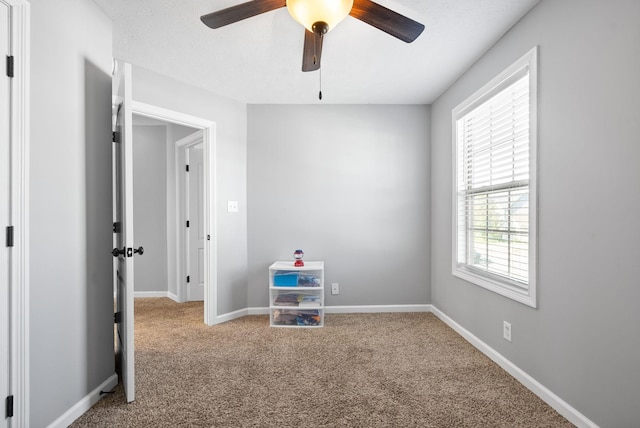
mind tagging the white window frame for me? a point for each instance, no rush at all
(523, 293)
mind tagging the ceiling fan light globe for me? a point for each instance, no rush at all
(308, 12)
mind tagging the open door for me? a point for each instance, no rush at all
(195, 234)
(192, 223)
(123, 228)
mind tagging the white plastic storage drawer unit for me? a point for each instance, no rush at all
(296, 294)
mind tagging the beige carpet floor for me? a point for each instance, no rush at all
(360, 370)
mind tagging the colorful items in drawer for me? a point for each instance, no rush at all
(286, 278)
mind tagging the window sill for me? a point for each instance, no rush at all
(503, 288)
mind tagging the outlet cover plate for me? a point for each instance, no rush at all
(335, 288)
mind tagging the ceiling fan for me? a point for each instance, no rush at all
(318, 17)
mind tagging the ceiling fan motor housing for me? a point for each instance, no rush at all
(320, 27)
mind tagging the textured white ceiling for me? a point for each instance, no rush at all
(258, 60)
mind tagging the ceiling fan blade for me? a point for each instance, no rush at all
(312, 51)
(239, 12)
(386, 20)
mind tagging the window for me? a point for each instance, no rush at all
(495, 184)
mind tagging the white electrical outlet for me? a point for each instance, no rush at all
(335, 288)
(506, 331)
(232, 206)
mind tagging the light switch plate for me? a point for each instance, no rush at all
(506, 331)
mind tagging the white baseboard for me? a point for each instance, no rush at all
(84, 404)
(167, 294)
(137, 294)
(232, 315)
(561, 406)
(241, 313)
(367, 309)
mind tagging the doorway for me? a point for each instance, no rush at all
(156, 170)
(206, 206)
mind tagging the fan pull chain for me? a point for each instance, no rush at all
(315, 53)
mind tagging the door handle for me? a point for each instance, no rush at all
(116, 252)
(132, 251)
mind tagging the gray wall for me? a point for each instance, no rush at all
(71, 294)
(150, 206)
(231, 172)
(582, 342)
(349, 185)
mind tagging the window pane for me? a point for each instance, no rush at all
(493, 169)
(498, 224)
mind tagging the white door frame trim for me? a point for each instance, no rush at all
(182, 260)
(20, 143)
(210, 249)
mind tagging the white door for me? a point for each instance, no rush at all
(195, 195)
(5, 219)
(124, 251)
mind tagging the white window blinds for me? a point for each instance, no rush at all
(493, 184)
(493, 161)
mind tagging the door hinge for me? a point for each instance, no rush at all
(188, 278)
(9, 236)
(116, 227)
(117, 318)
(9, 406)
(187, 223)
(10, 65)
(187, 168)
(115, 137)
